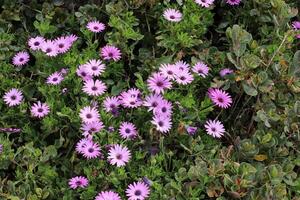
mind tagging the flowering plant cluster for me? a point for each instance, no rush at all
(150, 100)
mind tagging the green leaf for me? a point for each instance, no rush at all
(249, 89)
(250, 61)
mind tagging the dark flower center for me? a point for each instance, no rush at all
(159, 83)
(160, 123)
(13, 97)
(182, 78)
(221, 100)
(55, 79)
(91, 150)
(127, 130)
(89, 116)
(40, 110)
(132, 103)
(83, 74)
(154, 104)
(94, 68)
(164, 109)
(110, 54)
(36, 43)
(94, 88)
(78, 183)
(96, 27)
(137, 193)
(112, 106)
(200, 71)
(21, 59)
(213, 129)
(172, 17)
(170, 72)
(93, 129)
(48, 50)
(61, 45)
(119, 156)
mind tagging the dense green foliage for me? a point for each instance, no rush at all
(257, 159)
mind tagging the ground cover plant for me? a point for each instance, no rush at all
(150, 99)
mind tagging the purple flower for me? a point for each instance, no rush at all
(78, 181)
(147, 181)
(39, 109)
(1, 148)
(152, 101)
(35, 43)
(225, 72)
(163, 124)
(131, 98)
(109, 52)
(184, 78)
(94, 88)
(108, 195)
(118, 155)
(90, 128)
(83, 73)
(62, 44)
(13, 97)
(201, 69)
(168, 70)
(158, 83)
(111, 129)
(71, 38)
(95, 26)
(163, 109)
(95, 67)
(10, 130)
(21, 58)
(172, 15)
(296, 25)
(111, 104)
(128, 130)
(191, 130)
(55, 78)
(89, 114)
(80, 146)
(181, 66)
(91, 150)
(205, 3)
(50, 48)
(233, 2)
(214, 128)
(220, 97)
(137, 191)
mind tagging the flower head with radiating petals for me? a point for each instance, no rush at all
(111, 103)
(21, 58)
(191, 130)
(233, 2)
(128, 130)
(152, 101)
(172, 15)
(55, 78)
(94, 88)
(137, 191)
(168, 70)
(13, 97)
(181, 66)
(89, 114)
(78, 181)
(71, 38)
(158, 83)
(62, 44)
(225, 72)
(205, 3)
(80, 146)
(35, 43)
(164, 108)
(91, 150)
(95, 26)
(214, 128)
(296, 25)
(119, 155)
(163, 123)
(95, 67)
(49, 48)
(220, 97)
(131, 98)
(201, 69)
(108, 195)
(110, 52)
(39, 109)
(90, 128)
(83, 73)
(184, 78)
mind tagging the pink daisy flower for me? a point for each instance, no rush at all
(164, 108)
(172, 15)
(89, 114)
(35, 43)
(49, 48)
(71, 38)
(152, 101)
(78, 181)
(83, 73)
(108, 195)
(205, 3)
(110, 52)
(168, 70)
(220, 98)
(95, 67)
(233, 2)
(95, 26)
(94, 88)
(55, 78)
(158, 83)
(80, 146)
(111, 104)
(225, 72)
(128, 130)
(214, 128)
(21, 58)
(181, 66)
(119, 155)
(90, 128)
(131, 98)
(13, 97)
(201, 69)
(91, 150)
(39, 109)
(296, 25)
(163, 124)
(137, 191)
(62, 44)
(184, 78)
